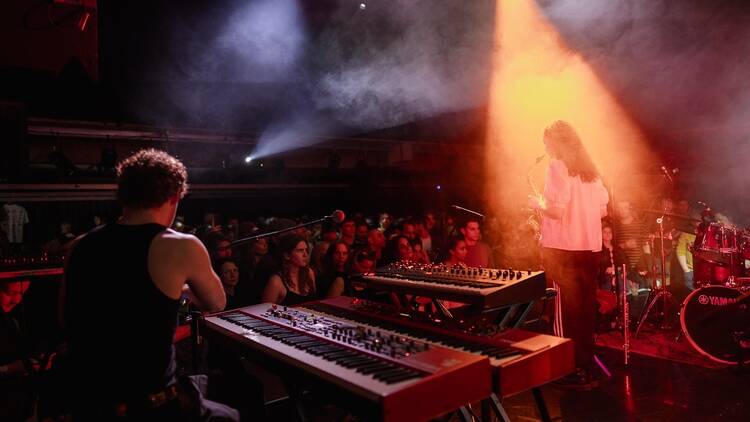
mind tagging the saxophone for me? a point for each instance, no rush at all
(535, 219)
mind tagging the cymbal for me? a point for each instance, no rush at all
(671, 215)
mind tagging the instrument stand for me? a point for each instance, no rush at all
(625, 314)
(492, 404)
(658, 292)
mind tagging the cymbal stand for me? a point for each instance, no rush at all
(658, 292)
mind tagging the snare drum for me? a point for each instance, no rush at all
(717, 243)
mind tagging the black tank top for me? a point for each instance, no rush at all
(120, 325)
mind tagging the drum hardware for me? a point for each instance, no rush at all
(658, 292)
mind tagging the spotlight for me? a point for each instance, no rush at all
(438, 187)
(363, 6)
(248, 159)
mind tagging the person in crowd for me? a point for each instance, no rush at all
(61, 243)
(683, 250)
(418, 254)
(348, 230)
(457, 251)
(409, 229)
(361, 232)
(229, 273)
(478, 253)
(219, 246)
(329, 235)
(232, 230)
(269, 263)
(362, 261)
(666, 206)
(384, 222)
(423, 234)
(332, 277)
(16, 362)
(631, 237)
(682, 207)
(611, 259)
(572, 205)
(376, 242)
(397, 249)
(294, 282)
(248, 289)
(124, 365)
(252, 254)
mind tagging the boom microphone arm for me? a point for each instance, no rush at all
(337, 217)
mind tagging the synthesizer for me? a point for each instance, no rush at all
(483, 287)
(521, 360)
(402, 378)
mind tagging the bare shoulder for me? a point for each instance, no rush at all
(171, 235)
(173, 239)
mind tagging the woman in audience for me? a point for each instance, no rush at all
(456, 251)
(418, 254)
(294, 282)
(397, 249)
(333, 270)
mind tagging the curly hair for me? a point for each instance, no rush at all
(564, 143)
(149, 178)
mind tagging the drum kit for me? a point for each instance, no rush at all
(715, 317)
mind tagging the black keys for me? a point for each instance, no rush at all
(382, 370)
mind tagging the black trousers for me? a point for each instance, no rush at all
(574, 272)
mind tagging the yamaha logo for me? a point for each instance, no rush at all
(715, 300)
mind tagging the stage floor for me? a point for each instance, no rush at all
(650, 389)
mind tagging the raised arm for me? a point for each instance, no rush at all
(178, 260)
(206, 291)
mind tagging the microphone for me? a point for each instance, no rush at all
(667, 174)
(467, 210)
(337, 216)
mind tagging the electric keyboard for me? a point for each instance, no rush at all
(484, 287)
(521, 359)
(402, 377)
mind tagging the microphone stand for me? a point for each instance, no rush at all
(660, 292)
(333, 217)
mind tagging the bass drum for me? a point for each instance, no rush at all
(710, 317)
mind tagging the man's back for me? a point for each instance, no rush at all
(120, 325)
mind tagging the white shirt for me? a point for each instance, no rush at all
(13, 226)
(580, 228)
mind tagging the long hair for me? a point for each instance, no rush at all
(564, 144)
(326, 267)
(305, 284)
